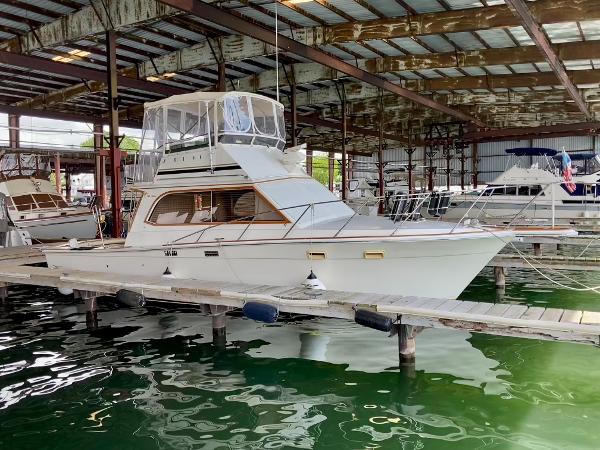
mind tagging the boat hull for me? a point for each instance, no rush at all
(54, 228)
(438, 268)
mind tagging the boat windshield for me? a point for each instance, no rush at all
(233, 118)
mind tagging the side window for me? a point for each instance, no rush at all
(535, 190)
(232, 205)
(511, 190)
(173, 209)
(523, 190)
(23, 202)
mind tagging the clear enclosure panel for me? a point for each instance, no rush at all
(264, 116)
(23, 164)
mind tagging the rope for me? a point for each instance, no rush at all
(584, 288)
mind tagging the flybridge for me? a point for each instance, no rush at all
(203, 120)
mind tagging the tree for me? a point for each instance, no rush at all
(321, 170)
(128, 143)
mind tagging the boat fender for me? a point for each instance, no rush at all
(261, 312)
(131, 298)
(373, 320)
(65, 291)
(312, 282)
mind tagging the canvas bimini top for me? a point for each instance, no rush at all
(531, 151)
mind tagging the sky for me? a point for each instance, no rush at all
(36, 131)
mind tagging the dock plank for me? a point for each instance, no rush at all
(571, 316)
(533, 313)
(552, 314)
(498, 309)
(590, 318)
(480, 308)
(515, 311)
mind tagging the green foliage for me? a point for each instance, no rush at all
(321, 170)
(128, 143)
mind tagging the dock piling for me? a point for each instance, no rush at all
(219, 324)
(406, 345)
(500, 276)
(3, 291)
(91, 307)
(537, 249)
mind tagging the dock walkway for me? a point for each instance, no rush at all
(490, 318)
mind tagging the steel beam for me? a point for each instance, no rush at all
(80, 72)
(569, 129)
(239, 25)
(113, 133)
(535, 31)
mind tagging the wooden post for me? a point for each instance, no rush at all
(57, 175)
(113, 133)
(500, 276)
(219, 328)
(3, 291)
(406, 348)
(381, 209)
(537, 249)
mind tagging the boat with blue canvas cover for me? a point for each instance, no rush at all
(533, 190)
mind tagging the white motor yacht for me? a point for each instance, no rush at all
(35, 206)
(533, 192)
(221, 200)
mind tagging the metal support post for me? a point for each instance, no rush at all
(113, 133)
(99, 183)
(68, 183)
(14, 135)
(221, 83)
(344, 154)
(57, 175)
(475, 164)
(380, 158)
(331, 170)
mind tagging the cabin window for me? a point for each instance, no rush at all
(535, 190)
(523, 190)
(219, 206)
(511, 190)
(23, 202)
(44, 201)
(496, 190)
(590, 189)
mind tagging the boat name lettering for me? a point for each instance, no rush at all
(170, 252)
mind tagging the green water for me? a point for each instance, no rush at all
(152, 379)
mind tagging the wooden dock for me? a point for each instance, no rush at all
(514, 260)
(483, 317)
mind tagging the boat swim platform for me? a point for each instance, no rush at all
(504, 319)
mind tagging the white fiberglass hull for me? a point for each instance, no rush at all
(519, 212)
(439, 268)
(54, 228)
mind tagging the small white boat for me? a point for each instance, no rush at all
(222, 201)
(535, 194)
(35, 206)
